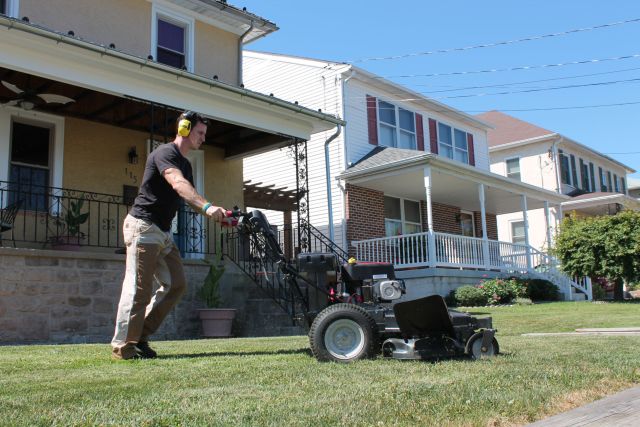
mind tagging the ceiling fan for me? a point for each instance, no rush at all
(28, 99)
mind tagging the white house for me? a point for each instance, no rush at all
(406, 181)
(596, 184)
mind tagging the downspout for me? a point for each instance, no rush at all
(240, 45)
(327, 166)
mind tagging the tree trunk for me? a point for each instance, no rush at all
(618, 290)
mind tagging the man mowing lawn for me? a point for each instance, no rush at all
(151, 251)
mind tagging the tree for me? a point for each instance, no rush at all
(604, 246)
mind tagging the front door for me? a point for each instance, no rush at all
(467, 224)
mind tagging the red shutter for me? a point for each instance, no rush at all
(433, 136)
(372, 119)
(472, 153)
(419, 132)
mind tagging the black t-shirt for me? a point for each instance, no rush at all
(157, 201)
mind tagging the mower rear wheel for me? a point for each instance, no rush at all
(344, 333)
(476, 351)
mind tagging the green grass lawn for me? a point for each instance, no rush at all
(275, 381)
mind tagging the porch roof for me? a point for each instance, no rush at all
(114, 87)
(599, 203)
(400, 172)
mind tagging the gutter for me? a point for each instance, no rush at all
(240, 45)
(327, 166)
(15, 24)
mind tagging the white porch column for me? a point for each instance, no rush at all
(431, 236)
(483, 217)
(547, 219)
(523, 204)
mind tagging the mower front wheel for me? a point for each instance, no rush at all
(477, 351)
(344, 333)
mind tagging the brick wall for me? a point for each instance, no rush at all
(365, 214)
(444, 220)
(492, 225)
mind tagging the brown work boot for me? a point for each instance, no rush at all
(128, 352)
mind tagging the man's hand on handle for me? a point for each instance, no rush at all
(216, 212)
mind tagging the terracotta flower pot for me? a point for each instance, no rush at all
(217, 322)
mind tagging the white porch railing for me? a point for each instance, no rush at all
(451, 250)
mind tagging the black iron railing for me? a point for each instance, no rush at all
(52, 217)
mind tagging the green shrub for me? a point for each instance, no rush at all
(542, 290)
(598, 291)
(502, 291)
(470, 296)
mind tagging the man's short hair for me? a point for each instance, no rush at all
(193, 117)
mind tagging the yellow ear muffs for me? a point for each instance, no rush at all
(184, 127)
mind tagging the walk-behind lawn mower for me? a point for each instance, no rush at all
(357, 310)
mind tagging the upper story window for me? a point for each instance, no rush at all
(616, 183)
(397, 126)
(172, 38)
(609, 181)
(584, 176)
(603, 180)
(565, 168)
(401, 216)
(592, 177)
(623, 185)
(513, 168)
(9, 7)
(452, 143)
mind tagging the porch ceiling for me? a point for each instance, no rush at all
(134, 114)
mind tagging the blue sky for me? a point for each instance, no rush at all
(358, 29)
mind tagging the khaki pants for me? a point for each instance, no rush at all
(151, 256)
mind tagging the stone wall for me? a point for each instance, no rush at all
(72, 297)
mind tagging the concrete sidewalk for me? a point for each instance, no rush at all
(619, 410)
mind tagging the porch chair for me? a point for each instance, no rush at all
(8, 217)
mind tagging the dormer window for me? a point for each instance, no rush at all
(172, 38)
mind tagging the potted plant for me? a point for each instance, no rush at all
(67, 234)
(216, 322)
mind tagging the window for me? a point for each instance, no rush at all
(29, 172)
(9, 8)
(584, 175)
(513, 168)
(592, 176)
(623, 185)
(616, 183)
(452, 143)
(609, 184)
(517, 233)
(565, 169)
(401, 216)
(603, 180)
(172, 38)
(397, 126)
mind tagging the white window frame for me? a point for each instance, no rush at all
(397, 129)
(8, 115)
(453, 141)
(174, 17)
(403, 221)
(511, 224)
(506, 167)
(13, 8)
